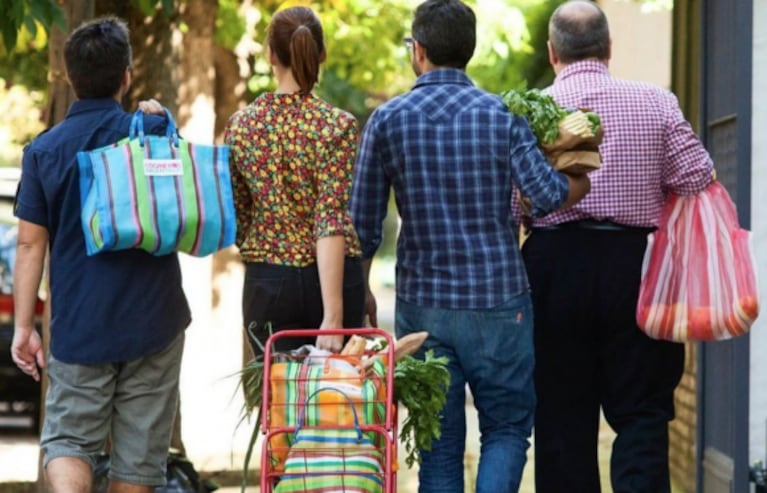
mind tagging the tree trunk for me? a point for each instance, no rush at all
(155, 55)
(230, 87)
(196, 92)
(60, 94)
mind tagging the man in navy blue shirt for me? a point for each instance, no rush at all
(452, 154)
(117, 319)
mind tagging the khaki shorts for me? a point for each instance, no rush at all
(134, 403)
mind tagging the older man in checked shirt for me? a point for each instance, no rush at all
(585, 264)
(452, 153)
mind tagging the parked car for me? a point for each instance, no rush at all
(19, 393)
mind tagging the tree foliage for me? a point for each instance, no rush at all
(29, 15)
(367, 62)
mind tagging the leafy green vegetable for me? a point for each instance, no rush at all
(543, 114)
(541, 111)
(596, 122)
(421, 386)
(252, 380)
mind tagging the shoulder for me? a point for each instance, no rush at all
(646, 94)
(417, 99)
(339, 115)
(255, 110)
(642, 87)
(492, 101)
(58, 133)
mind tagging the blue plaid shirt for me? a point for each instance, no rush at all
(451, 152)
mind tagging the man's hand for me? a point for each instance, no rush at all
(371, 309)
(27, 351)
(525, 204)
(580, 186)
(151, 107)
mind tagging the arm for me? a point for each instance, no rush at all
(688, 167)
(333, 179)
(369, 203)
(330, 264)
(546, 189)
(27, 349)
(371, 307)
(243, 202)
(580, 185)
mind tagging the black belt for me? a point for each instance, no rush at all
(593, 224)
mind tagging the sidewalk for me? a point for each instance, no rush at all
(214, 435)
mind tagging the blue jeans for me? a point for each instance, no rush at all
(492, 351)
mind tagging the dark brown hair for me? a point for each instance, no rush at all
(447, 30)
(295, 37)
(96, 55)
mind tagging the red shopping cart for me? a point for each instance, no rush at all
(329, 420)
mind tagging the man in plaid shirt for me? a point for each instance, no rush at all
(585, 267)
(452, 154)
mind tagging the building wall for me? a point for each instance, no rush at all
(682, 431)
(641, 42)
(758, 374)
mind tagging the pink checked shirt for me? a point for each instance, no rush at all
(649, 149)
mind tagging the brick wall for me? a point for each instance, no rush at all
(682, 431)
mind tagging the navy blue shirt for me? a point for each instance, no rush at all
(113, 306)
(452, 153)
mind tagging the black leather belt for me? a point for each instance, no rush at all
(593, 224)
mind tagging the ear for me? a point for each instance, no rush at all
(126, 80)
(419, 52)
(609, 50)
(553, 59)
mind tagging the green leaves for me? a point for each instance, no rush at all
(541, 111)
(28, 14)
(421, 386)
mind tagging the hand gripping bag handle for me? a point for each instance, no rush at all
(137, 127)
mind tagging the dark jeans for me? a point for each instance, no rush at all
(589, 353)
(286, 297)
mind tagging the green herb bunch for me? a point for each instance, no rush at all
(543, 114)
(546, 118)
(421, 386)
(252, 382)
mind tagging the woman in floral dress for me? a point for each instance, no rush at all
(292, 156)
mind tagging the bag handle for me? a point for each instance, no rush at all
(302, 414)
(351, 360)
(137, 127)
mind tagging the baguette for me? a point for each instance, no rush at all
(405, 346)
(355, 346)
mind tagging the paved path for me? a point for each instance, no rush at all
(211, 404)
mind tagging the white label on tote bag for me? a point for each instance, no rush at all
(163, 167)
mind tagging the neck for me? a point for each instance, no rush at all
(287, 89)
(286, 83)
